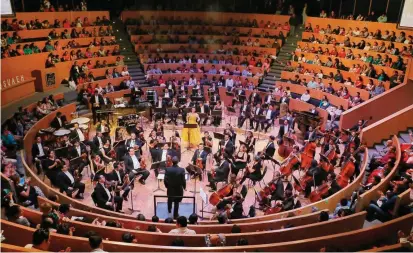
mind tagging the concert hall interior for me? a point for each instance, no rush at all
(180, 126)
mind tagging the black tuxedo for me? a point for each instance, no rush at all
(132, 171)
(35, 154)
(221, 174)
(74, 135)
(283, 131)
(244, 114)
(175, 184)
(237, 94)
(55, 122)
(138, 142)
(215, 98)
(74, 153)
(113, 176)
(285, 100)
(95, 107)
(229, 147)
(207, 111)
(268, 122)
(253, 114)
(254, 99)
(96, 142)
(65, 182)
(270, 149)
(101, 198)
(173, 115)
(269, 96)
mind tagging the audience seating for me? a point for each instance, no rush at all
(32, 35)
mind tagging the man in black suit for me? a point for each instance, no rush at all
(269, 149)
(38, 153)
(103, 198)
(132, 167)
(239, 97)
(215, 97)
(358, 127)
(245, 112)
(172, 115)
(203, 108)
(228, 145)
(68, 184)
(255, 98)
(162, 156)
(311, 134)
(98, 141)
(77, 134)
(96, 101)
(77, 150)
(285, 98)
(268, 99)
(221, 173)
(198, 154)
(132, 142)
(256, 112)
(284, 129)
(118, 175)
(59, 121)
(270, 115)
(160, 105)
(175, 184)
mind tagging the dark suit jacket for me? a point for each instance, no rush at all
(222, 172)
(229, 148)
(108, 101)
(203, 156)
(282, 131)
(247, 113)
(64, 181)
(254, 110)
(215, 98)
(114, 177)
(96, 141)
(159, 154)
(174, 181)
(100, 196)
(128, 163)
(74, 153)
(93, 100)
(55, 123)
(273, 114)
(286, 100)
(270, 150)
(207, 109)
(256, 99)
(137, 141)
(35, 150)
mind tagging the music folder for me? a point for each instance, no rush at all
(231, 109)
(229, 94)
(62, 152)
(216, 113)
(218, 136)
(173, 110)
(202, 115)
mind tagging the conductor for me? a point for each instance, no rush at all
(175, 184)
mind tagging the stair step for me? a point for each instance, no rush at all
(405, 137)
(379, 147)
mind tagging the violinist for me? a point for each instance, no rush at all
(103, 127)
(135, 143)
(199, 159)
(311, 134)
(106, 151)
(220, 173)
(250, 141)
(77, 134)
(292, 162)
(68, 184)
(172, 115)
(228, 145)
(253, 172)
(230, 131)
(358, 127)
(163, 155)
(119, 176)
(331, 151)
(245, 112)
(254, 97)
(133, 167)
(98, 141)
(240, 159)
(207, 141)
(99, 167)
(290, 201)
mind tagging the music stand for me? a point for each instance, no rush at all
(197, 172)
(242, 98)
(189, 127)
(132, 181)
(229, 93)
(161, 176)
(202, 116)
(216, 114)
(158, 110)
(174, 111)
(219, 136)
(232, 111)
(62, 152)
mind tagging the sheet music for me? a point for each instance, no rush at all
(203, 195)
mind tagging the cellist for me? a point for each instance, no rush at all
(291, 162)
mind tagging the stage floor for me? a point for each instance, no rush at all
(143, 195)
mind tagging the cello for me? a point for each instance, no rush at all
(287, 166)
(319, 193)
(308, 155)
(347, 170)
(217, 196)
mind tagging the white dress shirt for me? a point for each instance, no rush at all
(67, 173)
(79, 151)
(135, 161)
(100, 142)
(118, 174)
(80, 134)
(60, 121)
(164, 153)
(269, 99)
(305, 97)
(268, 116)
(40, 147)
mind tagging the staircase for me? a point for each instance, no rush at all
(377, 148)
(128, 51)
(285, 54)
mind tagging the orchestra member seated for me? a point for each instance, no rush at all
(245, 112)
(59, 121)
(228, 145)
(217, 119)
(199, 155)
(207, 141)
(284, 129)
(257, 110)
(205, 109)
(173, 116)
(253, 172)
(68, 183)
(162, 156)
(98, 142)
(269, 149)
(250, 141)
(161, 104)
(270, 115)
(278, 194)
(104, 199)
(255, 98)
(135, 143)
(290, 202)
(39, 153)
(220, 174)
(239, 94)
(240, 159)
(118, 175)
(317, 175)
(132, 167)
(77, 134)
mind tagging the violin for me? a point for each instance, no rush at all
(276, 209)
(142, 163)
